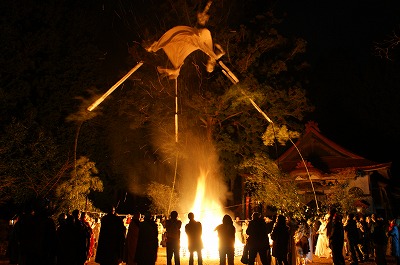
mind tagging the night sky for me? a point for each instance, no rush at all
(356, 92)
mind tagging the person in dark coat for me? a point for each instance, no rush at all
(353, 239)
(111, 240)
(336, 240)
(226, 234)
(13, 246)
(258, 241)
(173, 228)
(131, 240)
(194, 231)
(394, 235)
(36, 236)
(147, 245)
(379, 240)
(280, 236)
(81, 238)
(66, 246)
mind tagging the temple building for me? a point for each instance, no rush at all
(323, 164)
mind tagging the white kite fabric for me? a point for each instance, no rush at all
(181, 41)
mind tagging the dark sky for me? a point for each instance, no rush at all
(356, 93)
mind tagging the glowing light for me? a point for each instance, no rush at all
(209, 212)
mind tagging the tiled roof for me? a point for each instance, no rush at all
(323, 154)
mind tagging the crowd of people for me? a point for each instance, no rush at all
(77, 238)
(356, 236)
(36, 239)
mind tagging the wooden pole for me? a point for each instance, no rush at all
(102, 98)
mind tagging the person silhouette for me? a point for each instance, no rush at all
(258, 240)
(131, 239)
(195, 244)
(110, 246)
(173, 228)
(147, 243)
(226, 235)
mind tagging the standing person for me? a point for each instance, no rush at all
(89, 237)
(131, 240)
(194, 231)
(245, 224)
(111, 239)
(329, 222)
(322, 248)
(238, 229)
(280, 236)
(315, 227)
(394, 235)
(13, 248)
(36, 236)
(96, 232)
(362, 229)
(370, 229)
(379, 240)
(353, 239)
(66, 242)
(226, 235)
(336, 240)
(160, 231)
(301, 242)
(173, 228)
(309, 256)
(147, 245)
(258, 241)
(81, 238)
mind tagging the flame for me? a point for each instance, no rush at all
(209, 211)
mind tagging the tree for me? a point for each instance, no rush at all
(268, 185)
(341, 196)
(163, 198)
(73, 192)
(31, 164)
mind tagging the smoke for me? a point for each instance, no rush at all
(200, 173)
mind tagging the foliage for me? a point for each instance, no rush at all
(341, 196)
(268, 185)
(163, 198)
(73, 192)
(31, 164)
(280, 134)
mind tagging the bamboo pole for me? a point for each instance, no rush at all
(102, 98)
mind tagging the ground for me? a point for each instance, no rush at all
(161, 260)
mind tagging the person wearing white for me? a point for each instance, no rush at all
(322, 248)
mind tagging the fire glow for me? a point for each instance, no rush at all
(209, 212)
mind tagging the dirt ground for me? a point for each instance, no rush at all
(162, 260)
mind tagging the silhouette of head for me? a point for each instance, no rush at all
(147, 216)
(191, 216)
(337, 218)
(174, 214)
(227, 219)
(76, 214)
(255, 216)
(281, 220)
(136, 215)
(351, 216)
